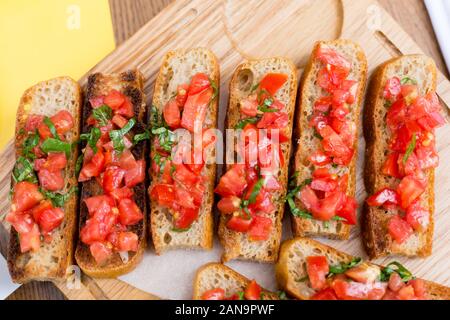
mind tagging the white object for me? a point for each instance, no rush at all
(6, 285)
(439, 11)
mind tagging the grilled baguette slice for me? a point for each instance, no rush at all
(306, 143)
(292, 266)
(216, 275)
(130, 83)
(52, 259)
(179, 67)
(377, 240)
(237, 245)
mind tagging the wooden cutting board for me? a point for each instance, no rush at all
(237, 30)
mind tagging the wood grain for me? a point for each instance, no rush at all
(128, 16)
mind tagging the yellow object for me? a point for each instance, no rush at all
(41, 39)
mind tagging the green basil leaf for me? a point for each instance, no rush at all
(30, 142)
(78, 165)
(282, 295)
(256, 189)
(240, 295)
(181, 230)
(92, 138)
(102, 114)
(409, 149)
(118, 135)
(395, 266)
(141, 137)
(54, 145)
(408, 80)
(58, 199)
(337, 218)
(254, 87)
(215, 89)
(52, 127)
(242, 123)
(341, 268)
(24, 171)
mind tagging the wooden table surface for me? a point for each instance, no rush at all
(129, 15)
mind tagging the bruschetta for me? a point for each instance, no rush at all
(113, 206)
(44, 192)
(323, 185)
(252, 191)
(309, 270)
(183, 166)
(402, 111)
(215, 281)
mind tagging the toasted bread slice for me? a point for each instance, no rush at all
(237, 245)
(216, 275)
(306, 142)
(130, 83)
(178, 67)
(377, 240)
(291, 268)
(52, 259)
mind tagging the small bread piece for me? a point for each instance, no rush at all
(377, 240)
(52, 259)
(216, 275)
(306, 142)
(178, 67)
(237, 245)
(131, 84)
(291, 268)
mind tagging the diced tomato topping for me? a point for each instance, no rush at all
(122, 193)
(272, 82)
(419, 288)
(50, 219)
(214, 294)
(399, 229)
(51, 180)
(309, 198)
(249, 106)
(33, 121)
(194, 111)
(199, 82)
(126, 109)
(40, 208)
(233, 182)
(97, 101)
(239, 224)
(164, 194)
(406, 293)
(317, 268)
(127, 241)
(417, 216)
(395, 282)
(392, 88)
(54, 162)
(63, 121)
(182, 94)
(185, 176)
(114, 99)
(100, 252)
(135, 175)
(260, 229)
(229, 204)
(358, 291)
(384, 196)
(171, 114)
(390, 167)
(30, 240)
(348, 211)
(129, 212)
(325, 294)
(101, 205)
(319, 158)
(273, 120)
(331, 57)
(253, 291)
(185, 217)
(119, 121)
(92, 168)
(22, 223)
(409, 189)
(26, 196)
(112, 178)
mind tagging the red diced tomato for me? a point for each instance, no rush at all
(214, 294)
(127, 241)
(390, 167)
(406, 293)
(135, 175)
(100, 252)
(348, 211)
(92, 168)
(199, 82)
(419, 288)
(323, 104)
(164, 194)
(384, 196)
(126, 109)
(101, 204)
(331, 57)
(260, 228)
(185, 176)
(392, 88)
(409, 189)
(271, 183)
(325, 294)
(22, 223)
(253, 291)
(228, 205)
(26, 196)
(51, 180)
(114, 99)
(30, 240)
(185, 217)
(122, 193)
(329, 206)
(63, 121)
(97, 101)
(272, 82)
(395, 282)
(399, 229)
(309, 198)
(273, 120)
(319, 158)
(317, 268)
(249, 106)
(50, 219)
(239, 224)
(233, 182)
(182, 94)
(40, 208)
(195, 110)
(417, 216)
(129, 212)
(171, 114)
(112, 178)
(119, 121)
(324, 184)
(33, 121)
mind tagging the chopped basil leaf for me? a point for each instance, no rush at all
(240, 295)
(262, 295)
(294, 189)
(58, 199)
(388, 104)
(335, 165)
(242, 123)
(24, 171)
(254, 87)
(30, 142)
(256, 189)
(266, 106)
(317, 135)
(165, 136)
(215, 90)
(282, 295)
(102, 114)
(141, 136)
(52, 127)
(78, 165)
(337, 218)
(395, 266)
(305, 278)
(118, 135)
(54, 145)
(409, 149)
(341, 268)
(92, 138)
(408, 80)
(326, 224)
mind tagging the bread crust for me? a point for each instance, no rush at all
(223, 269)
(130, 83)
(35, 271)
(290, 249)
(376, 239)
(306, 227)
(233, 242)
(205, 213)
